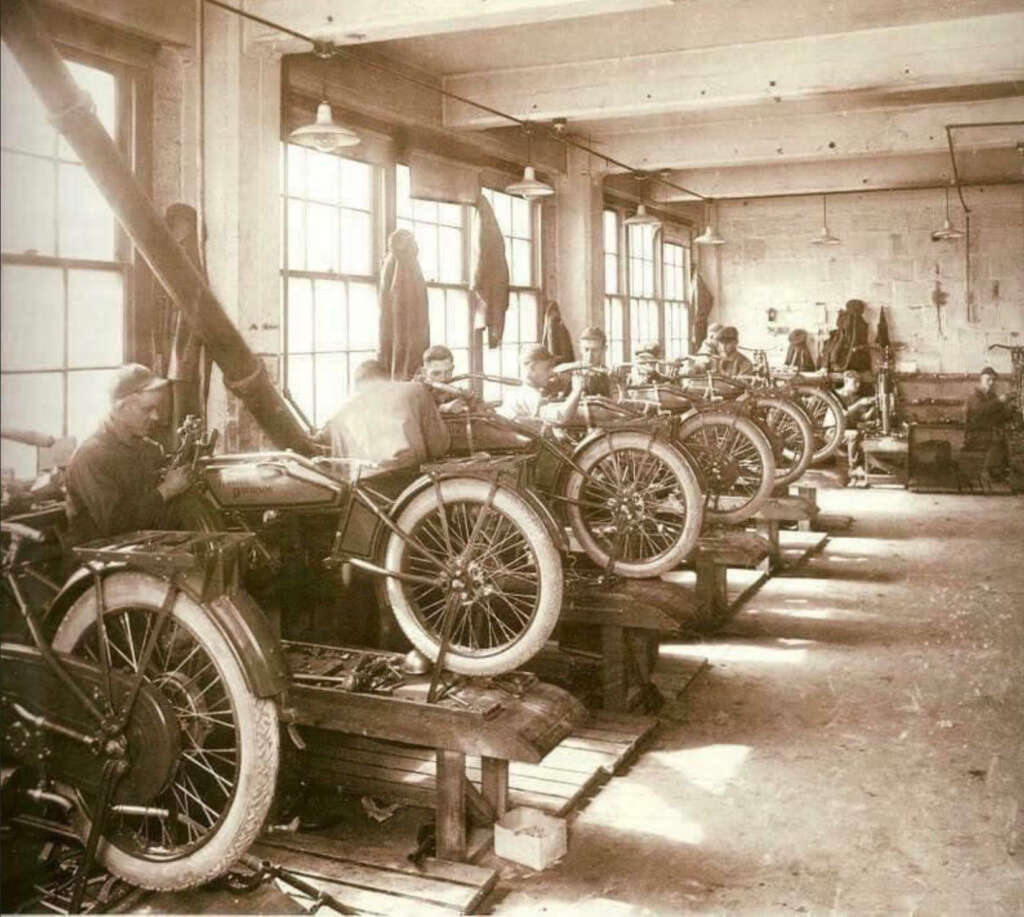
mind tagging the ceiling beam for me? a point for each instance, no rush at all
(925, 170)
(838, 135)
(982, 49)
(358, 21)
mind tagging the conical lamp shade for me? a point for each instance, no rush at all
(825, 237)
(530, 187)
(948, 231)
(642, 218)
(710, 236)
(324, 133)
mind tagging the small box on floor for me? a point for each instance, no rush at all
(530, 837)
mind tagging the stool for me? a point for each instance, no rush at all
(777, 510)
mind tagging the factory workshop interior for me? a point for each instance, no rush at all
(512, 457)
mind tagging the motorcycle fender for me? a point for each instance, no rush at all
(236, 615)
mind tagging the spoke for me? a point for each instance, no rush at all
(198, 760)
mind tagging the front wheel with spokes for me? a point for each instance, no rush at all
(736, 463)
(479, 565)
(794, 435)
(221, 787)
(828, 418)
(634, 503)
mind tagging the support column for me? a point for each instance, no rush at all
(579, 242)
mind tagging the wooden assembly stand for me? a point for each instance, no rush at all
(501, 719)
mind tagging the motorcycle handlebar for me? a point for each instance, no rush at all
(29, 438)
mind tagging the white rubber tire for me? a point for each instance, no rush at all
(798, 416)
(740, 509)
(687, 481)
(258, 739)
(819, 403)
(546, 558)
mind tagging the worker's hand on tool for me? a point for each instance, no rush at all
(175, 482)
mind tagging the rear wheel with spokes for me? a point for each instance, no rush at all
(827, 418)
(485, 571)
(221, 788)
(736, 463)
(793, 433)
(634, 503)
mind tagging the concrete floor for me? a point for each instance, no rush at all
(856, 747)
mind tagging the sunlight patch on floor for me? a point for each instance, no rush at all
(643, 810)
(736, 652)
(711, 767)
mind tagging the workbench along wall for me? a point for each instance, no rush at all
(887, 258)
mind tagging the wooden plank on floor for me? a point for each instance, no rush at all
(379, 881)
(796, 548)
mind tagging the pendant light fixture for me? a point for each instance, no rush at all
(530, 186)
(824, 237)
(642, 218)
(710, 235)
(948, 231)
(324, 134)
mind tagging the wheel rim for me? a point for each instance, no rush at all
(790, 439)
(632, 505)
(822, 419)
(731, 465)
(492, 590)
(190, 810)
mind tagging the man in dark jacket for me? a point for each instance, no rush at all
(113, 478)
(987, 415)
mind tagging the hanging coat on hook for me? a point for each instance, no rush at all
(404, 315)
(490, 274)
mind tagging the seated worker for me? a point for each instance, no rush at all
(438, 368)
(798, 356)
(530, 400)
(592, 347)
(392, 423)
(860, 406)
(709, 347)
(645, 365)
(730, 361)
(114, 482)
(986, 417)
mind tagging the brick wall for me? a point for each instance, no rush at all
(887, 258)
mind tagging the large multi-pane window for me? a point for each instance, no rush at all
(331, 314)
(440, 231)
(517, 220)
(645, 290)
(65, 268)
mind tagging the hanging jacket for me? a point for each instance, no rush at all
(704, 301)
(555, 337)
(404, 315)
(490, 274)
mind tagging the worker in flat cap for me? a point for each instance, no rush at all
(114, 478)
(593, 344)
(798, 356)
(987, 415)
(531, 401)
(646, 363)
(730, 361)
(709, 346)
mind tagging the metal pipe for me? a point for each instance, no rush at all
(72, 112)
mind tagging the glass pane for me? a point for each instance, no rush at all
(502, 205)
(95, 318)
(356, 184)
(102, 87)
(648, 278)
(299, 381)
(522, 265)
(616, 329)
(521, 224)
(450, 255)
(88, 400)
(512, 319)
(85, 222)
(355, 359)
(23, 122)
(426, 239)
(322, 241)
(636, 277)
(322, 177)
(510, 360)
(32, 301)
(330, 331)
(450, 214)
(611, 273)
(611, 231)
(331, 385)
(300, 315)
(528, 316)
(33, 401)
(363, 316)
(296, 170)
(402, 191)
(438, 319)
(28, 206)
(492, 361)
(461, 355)
(357, 242)
(296, 235)
(457, 332)
(424, 210)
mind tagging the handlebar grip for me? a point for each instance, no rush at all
(17, 530)
(29, 438)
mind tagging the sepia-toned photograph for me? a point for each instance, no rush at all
(512, 457)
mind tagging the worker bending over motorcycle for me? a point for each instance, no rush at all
(114, 478)
(389, 423)
(530, 402)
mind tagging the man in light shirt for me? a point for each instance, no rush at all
(529, 402)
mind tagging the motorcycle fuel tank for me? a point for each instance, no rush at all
(270, 479)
